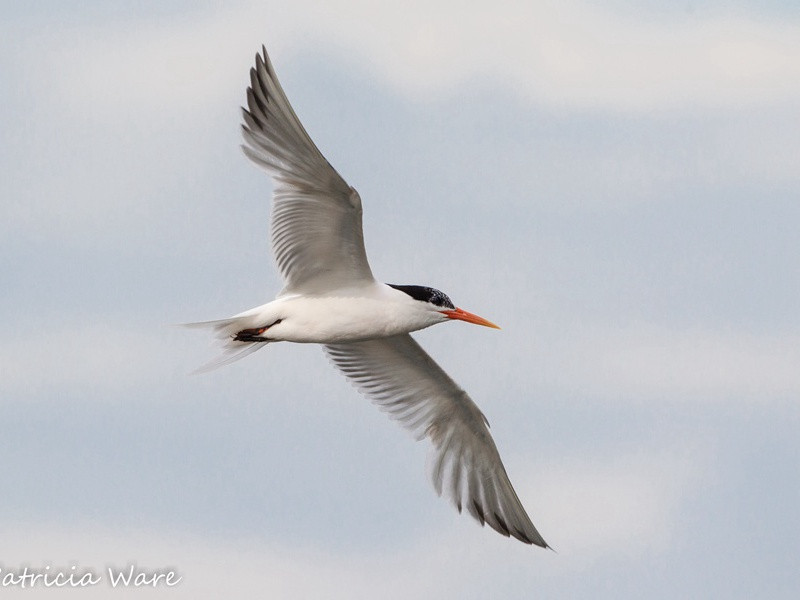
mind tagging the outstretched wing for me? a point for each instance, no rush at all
(316, 217)
(401, 378)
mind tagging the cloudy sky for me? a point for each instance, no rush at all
(616, 186)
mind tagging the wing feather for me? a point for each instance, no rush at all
(316, 229)
(403, 380)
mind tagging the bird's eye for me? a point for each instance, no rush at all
(441, 300)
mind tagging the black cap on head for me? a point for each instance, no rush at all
(425, 294)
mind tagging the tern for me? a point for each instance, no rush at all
(331, 298)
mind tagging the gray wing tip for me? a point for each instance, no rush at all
(496, 522)
(256, 104)
(263, 62)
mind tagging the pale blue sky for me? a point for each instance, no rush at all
(617, 188)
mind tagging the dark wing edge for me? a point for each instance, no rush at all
(403, 380)
(276, 139)
(316, 227)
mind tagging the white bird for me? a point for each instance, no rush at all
(331, 298)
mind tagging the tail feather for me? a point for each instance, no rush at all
(229, 355)
(225, 330)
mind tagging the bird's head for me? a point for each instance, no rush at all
(438, 302)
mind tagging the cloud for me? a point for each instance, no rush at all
(626, 509)
(97, 354)
(610, 505)
(117, 116)
(565, 55)
(654, 362)
(578, 55)
(214, 568)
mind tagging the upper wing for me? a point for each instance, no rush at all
(316, 217)
(399, 376)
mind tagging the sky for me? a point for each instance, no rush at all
(616, 186)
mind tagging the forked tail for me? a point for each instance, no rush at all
(237, 340)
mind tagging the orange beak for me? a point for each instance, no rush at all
(462, 315)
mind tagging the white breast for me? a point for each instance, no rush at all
(347, 316)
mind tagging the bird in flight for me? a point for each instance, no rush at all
(331, 298)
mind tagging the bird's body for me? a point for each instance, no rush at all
(331, 298)
(349, 314)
